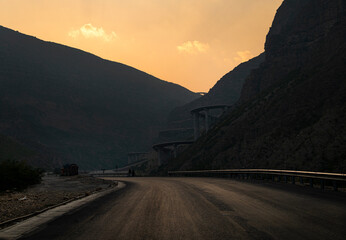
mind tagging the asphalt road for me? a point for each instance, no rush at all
(204, 208)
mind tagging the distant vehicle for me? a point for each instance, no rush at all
(69, 170)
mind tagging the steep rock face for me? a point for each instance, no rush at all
(292, 110)
(80, 107)
(225, 91)
(292, 41)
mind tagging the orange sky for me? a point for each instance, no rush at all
(189, 42)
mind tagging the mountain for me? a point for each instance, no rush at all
(292, 109)
(11, 149)
(76, 106)
(225, 92)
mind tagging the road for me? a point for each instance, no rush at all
(204, 208)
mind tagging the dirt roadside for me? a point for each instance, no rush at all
(51, 191)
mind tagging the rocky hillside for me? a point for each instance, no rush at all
(225, 91)
(77, 106)
(292, 110)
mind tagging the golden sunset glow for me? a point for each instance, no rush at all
(189, 42)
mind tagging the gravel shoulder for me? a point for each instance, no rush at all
(51, 191)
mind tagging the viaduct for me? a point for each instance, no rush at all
(169, 150)
(204, 112)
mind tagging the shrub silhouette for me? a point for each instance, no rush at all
(18, 175)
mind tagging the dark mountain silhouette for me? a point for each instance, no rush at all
(292, 110)
(76, 106)
(226, 91)
(11, 149)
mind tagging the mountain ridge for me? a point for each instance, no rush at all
(85, 109)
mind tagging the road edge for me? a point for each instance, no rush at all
(31, 222)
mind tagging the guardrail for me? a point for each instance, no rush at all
(320, 178)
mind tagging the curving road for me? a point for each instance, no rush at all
(204, 208)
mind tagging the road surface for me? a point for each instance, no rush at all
(204, 208)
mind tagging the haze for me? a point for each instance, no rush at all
(189, 42)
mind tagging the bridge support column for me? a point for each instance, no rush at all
(163, 156)
(196, 125)
(175, 150)
(206, 112)
(159, 157)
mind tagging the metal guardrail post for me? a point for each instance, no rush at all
(322, 184)
(335, 185)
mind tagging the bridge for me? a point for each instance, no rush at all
(134, 157)
(204, 112)
(174, 134)
(168, 150)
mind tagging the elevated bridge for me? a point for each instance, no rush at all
(204, 112)
(133, 157)
(168, 150)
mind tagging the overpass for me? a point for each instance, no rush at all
(134, 157)
(204, 112)
(168, 150)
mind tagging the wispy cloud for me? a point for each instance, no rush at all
(193, 47)
(89, 31)
(243, 56)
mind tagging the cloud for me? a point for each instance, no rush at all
(193, 47)
(243, 56)
(89, 31)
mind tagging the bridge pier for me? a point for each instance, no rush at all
(206, 114)
(163, 156)
(168, 150)
(133, 157)
(175, 150)
(204, 111)
(196, 125)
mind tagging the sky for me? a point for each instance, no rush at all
(189, 42)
